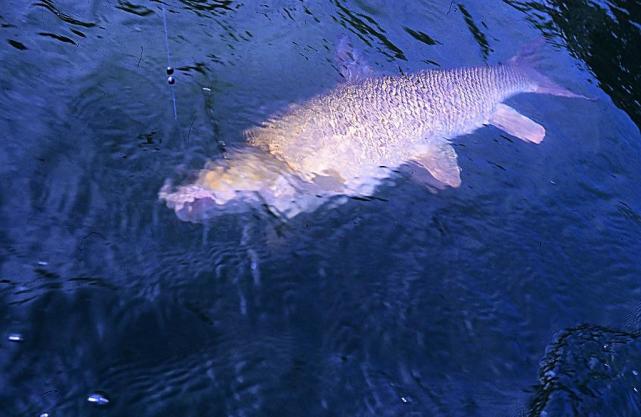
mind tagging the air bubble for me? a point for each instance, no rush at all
(15, 337)
(98, 399)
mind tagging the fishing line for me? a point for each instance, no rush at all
(170, 70)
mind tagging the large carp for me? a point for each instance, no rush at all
(345, 141)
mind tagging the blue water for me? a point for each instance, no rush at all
(516, 294)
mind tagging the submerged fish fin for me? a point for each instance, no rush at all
(514, 123)
(545, 85)
(329, 180)
(529, 60)
(440, 161)
(351, 65)
(529, 55)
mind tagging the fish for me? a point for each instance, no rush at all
(346, 141)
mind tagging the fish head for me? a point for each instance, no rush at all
(195, 203)
(239, 183)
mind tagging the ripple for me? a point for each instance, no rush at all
(214, 7)
(60, 38)
(18, 45)
(420, 36)
(135, 9)
(51, 6)
(480, 37)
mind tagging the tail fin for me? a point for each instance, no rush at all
(529, 60)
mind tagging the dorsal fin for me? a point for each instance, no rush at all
(351, 64)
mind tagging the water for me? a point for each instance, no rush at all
(467, 302)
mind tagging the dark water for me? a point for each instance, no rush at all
(514, 295)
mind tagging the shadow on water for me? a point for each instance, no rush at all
(594, 360)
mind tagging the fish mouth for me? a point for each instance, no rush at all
(194, 203)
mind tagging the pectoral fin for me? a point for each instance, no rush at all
(514, 123)
(440, 161)
(330, 180)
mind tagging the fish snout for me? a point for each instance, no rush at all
(196, 203)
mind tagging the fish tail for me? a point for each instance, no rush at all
(528, 60)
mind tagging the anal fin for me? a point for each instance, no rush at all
(514, 123)
(441, 162)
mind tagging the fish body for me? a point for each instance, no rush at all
(345, 141)
(386, 121)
